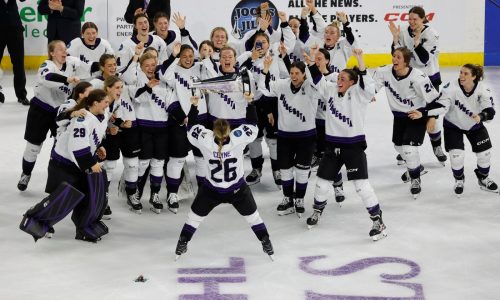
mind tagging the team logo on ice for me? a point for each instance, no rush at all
(244, 16)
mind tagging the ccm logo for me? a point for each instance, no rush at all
(352, 170)
(482, 142)
(404, 16)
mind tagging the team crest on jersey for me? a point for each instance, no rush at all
(80, 119)
(237, 133)
(43, 65)
(244, 17)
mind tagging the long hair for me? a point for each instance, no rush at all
(94, 96)
(80, 89)
(476, 70)
(418, 10)
(104, 58)
(51, 46)
(110, 81)
(221, 130)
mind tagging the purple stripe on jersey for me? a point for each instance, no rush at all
(55, 156)
(399, 114)
(435, 77)
(297, 134)
(36, 101)
(134, 123)
(449, 124)
(230, 189)
(345, 140)
(173, 106)
(202, 117)
(149, 123)
(458, 173)
(82, 152)
(233, 122)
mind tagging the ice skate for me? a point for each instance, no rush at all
(486, 183)
(267, 247)
(181, 247)
(338, 188)
(134, 203)
(415, 188)
(50, 233)
(277, 178)
(173, 203)
(314, 218)
(406, 175)
(459, 187)
(286, 207)
(299, 206)
(254, 176)
(400, 160)
(156, 205)
(23, 182)
(438, 151)
(107, 213)
(378, 230)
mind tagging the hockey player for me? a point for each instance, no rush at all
(224, 183)
(89, 48)
(161, 24)
(128, 48)
(468, 104)
(179, 77)
(407, 90)
(80, 92)
(423, 41)
(340, 49)
(155, 106)
(55, 81)
(74, 155)
(346, 103)
(266, 107)
(297, 105)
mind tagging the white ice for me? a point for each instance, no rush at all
(454, 242)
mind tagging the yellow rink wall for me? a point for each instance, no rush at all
(372, 60)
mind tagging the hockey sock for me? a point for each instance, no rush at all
(29, 157)
(192, 223)
(337, 181)
(272, 144)
(109, 166)
(287, 182)
(255, 148)
(257, 224)
(483, 162)
(374, 210)
(400, 151)
(412, 160)
(457, 158)
(301, 178)
(321, 192)
(365, 191)
(131, 171)
(435, 138)
(156, 174)
(174, 172)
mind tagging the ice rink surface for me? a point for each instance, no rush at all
(439, 246)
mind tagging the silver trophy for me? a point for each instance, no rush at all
(238, 82)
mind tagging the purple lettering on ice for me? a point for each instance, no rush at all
(236, 266)
(211, 284)
(359, 265)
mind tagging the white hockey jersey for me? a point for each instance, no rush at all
(225, 169)
(127, 50)
(51, 90)
(345, 114)
(430, 42)
(77, 145)
(180, 79)
(460, 106)
(321, 112)
(152, 106)
(406, 93)
(63, 123)
(296, 111)
(89, 53)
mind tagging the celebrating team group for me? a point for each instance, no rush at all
(308, 107)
